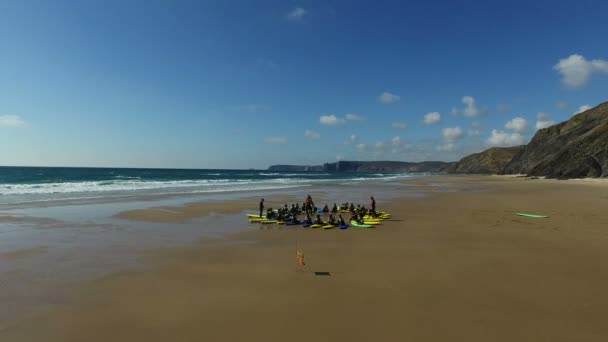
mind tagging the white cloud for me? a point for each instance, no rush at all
(361, 147)
(432, 118)
(399, 125)
(276, 140)
(452, 134)
(562, 106)
(354, 117)
(388, 98)
(331, 120)
(380, 147)
(475, 124)
(11, 121)
(475, 132)
(518, 125)
(396, 141)
(312, 134)
(543, 120)
(582, 108)
(471, 110)
(446, 147)
(504, 139)
(296, 14)
(503, 107)
(353, 139)
(576, 71)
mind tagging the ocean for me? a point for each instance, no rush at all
(43, 184)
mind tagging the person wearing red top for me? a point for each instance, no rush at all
(309, 204)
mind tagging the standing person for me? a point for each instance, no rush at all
(373, 205)
(309, 204)
(261, 207)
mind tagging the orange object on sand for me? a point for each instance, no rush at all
(300, 259)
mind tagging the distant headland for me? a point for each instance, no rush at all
(577, 148)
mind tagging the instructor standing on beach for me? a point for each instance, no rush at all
(373, 205)
(309, 204)
(261, 207)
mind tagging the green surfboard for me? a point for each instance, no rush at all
(532, 215)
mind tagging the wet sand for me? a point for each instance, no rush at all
(455, 266)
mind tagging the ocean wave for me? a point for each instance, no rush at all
(137, 185)
(258, 187)
(133, 184)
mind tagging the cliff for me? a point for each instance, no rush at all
(490, 161)
(367, 166)
(573, 149)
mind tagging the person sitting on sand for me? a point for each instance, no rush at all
(341, 220)
(269, 214)
(294, 218)
(357, 218)
(352, 207)
(334, 209)
(325, 208)
(308, 220)
(332, 220)
(318, 220)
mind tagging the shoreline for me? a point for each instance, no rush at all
(419, 270)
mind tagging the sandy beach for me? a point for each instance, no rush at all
(454, 266)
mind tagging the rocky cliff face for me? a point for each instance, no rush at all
(490, 161)
(296, 168)
(368, 166)
(573, 149)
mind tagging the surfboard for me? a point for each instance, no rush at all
(329, 226)
(355, 224)
(532, 215)
(255, 215)
(372, 222)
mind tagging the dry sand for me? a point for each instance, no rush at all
(456, 266)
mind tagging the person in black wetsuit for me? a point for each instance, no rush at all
(332, 220)
(373, 205)
(261, 207)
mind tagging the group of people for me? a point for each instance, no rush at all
(290, 214)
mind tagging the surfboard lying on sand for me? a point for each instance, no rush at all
(355, 224)
(532, 215)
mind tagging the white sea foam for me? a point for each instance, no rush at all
(133, 186)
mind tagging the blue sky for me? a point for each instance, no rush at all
(240, 84)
